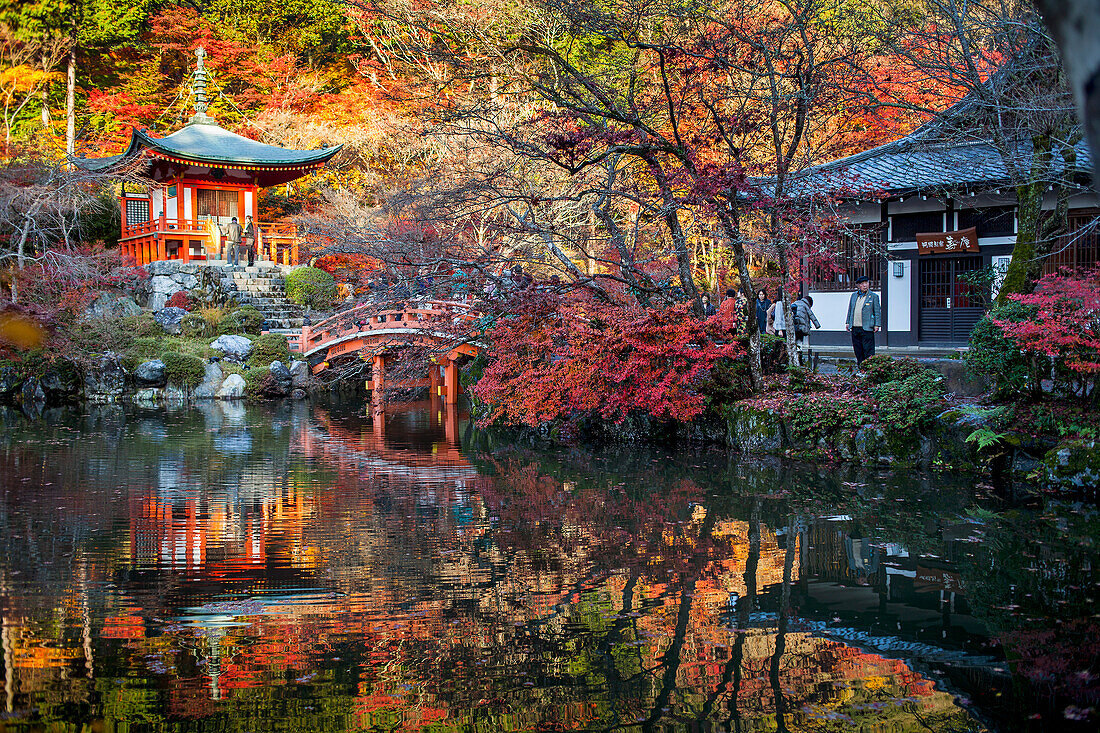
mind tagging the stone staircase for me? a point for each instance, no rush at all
(262, 287)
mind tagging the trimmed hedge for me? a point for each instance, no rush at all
(183, 369)
(268, 348)
(310, 286)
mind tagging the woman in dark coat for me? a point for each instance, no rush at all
(762, 306)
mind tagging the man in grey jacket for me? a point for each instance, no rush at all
(233, 242)
(864, 319)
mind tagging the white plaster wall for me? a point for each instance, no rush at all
(831, 308)
(898, 305)
(248, 203)
(187, 209)
(173, 207)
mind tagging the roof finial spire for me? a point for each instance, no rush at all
(198, 85)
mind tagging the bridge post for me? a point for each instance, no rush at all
(433, 379)
(450, 382)
(378, 375)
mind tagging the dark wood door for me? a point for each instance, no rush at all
(948, 306)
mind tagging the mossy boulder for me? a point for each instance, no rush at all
(872, 447)
(1073, 465)
(754, 430)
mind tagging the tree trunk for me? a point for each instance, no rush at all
(1030, 198)
(729, 224)
(70, 104)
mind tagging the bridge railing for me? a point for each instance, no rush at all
(428, 315)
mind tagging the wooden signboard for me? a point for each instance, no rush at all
(944, 242)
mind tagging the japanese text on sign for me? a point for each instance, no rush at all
(965, 240)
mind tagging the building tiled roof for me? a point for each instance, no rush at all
(915, 163)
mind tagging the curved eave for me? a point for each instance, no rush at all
(308, 157)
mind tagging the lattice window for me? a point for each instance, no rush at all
(1080, 249)
(137, 211)
(215, 202)
(859, 253)
(999, 221)
(906, 227)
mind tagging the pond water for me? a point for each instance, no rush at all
(287, 567)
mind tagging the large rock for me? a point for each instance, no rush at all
(61, 380)
(232, 388)
(281, 373)
(105, 379)
(10, 380)
(1073, 465)
(147, 396)
(170, 319)
(211, 382)
(752, 430)
(164, 284)
(301, 376)
(33, 394)
(150, 373)
(111, 306)
(236, 348)
(872, 447)
(957, 378)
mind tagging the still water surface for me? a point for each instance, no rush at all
(291, 568)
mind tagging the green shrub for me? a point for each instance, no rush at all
(143, 325)
(243, 320)
(1000, 359)
(907, 405)
(268, 348)
(194, 325)
(881, 368)
(183, 369)
(815, 416)
(259, 382)
(311, 286)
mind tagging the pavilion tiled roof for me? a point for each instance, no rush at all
(213, 145)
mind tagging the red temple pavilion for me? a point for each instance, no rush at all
(202, 176)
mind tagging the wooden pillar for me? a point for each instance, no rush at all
(433, 377)
(294, 250)
(378, 374)
(450, 382)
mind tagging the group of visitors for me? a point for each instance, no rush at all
(864, 317)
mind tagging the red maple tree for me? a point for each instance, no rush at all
(557, 356)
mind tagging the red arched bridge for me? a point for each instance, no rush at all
(371, 331)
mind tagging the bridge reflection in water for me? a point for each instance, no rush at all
(233, 568)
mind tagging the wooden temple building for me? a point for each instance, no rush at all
(201, 177)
